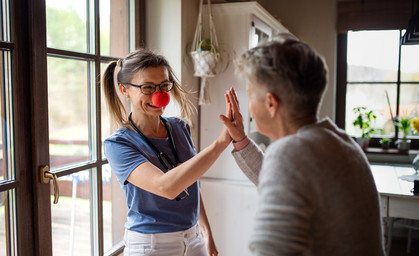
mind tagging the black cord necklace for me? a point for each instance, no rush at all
(159, 154)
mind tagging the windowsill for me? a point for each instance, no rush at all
(390, 156)
(391, 151)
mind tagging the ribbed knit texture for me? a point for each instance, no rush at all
(317, 195)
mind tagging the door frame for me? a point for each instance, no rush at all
(31, 127)
(28, 49)
(37, 60)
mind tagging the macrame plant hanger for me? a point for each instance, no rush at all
(205, 58)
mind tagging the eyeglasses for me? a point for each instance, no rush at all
(148, 89)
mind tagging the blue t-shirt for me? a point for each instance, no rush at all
(149, 213)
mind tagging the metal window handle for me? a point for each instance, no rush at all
(46, 176)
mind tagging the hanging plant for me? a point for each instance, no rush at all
(204, 54)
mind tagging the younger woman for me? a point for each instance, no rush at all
(155, 160)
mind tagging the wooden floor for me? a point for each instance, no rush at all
(61, 241)
(399, 247)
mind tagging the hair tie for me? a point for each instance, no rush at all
(119, 63)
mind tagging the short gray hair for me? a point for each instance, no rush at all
(291, 70)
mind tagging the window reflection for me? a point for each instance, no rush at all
(71, 216)
(114, 20)
(114, 209)
(68, 104)
(66, 25)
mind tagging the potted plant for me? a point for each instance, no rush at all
(403, 123)
(385, 143)
(204, 53)
(205, 57)
(207, 45)
(363, 120)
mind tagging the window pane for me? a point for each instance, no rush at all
(372, 96)
(6, 129)
(409, 63)
(409, 100)
(71, 216)
(3, 244)
(68, 103)
(7, 223)
(66, 25)
(107, 127)
(3, 247)
(114, 20)
(373, 56)
(5, 21)
(114, 209)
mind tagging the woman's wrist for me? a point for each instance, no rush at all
(239, 145)
(220, 145)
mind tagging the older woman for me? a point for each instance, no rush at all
(317, 193)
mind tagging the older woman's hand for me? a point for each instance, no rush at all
(233, 120)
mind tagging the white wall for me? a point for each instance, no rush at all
(189, 14)
(313, 22)
(164, 30)
(170, 25)
(163, 36)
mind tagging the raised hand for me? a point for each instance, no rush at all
(224, 136)
(233, 120)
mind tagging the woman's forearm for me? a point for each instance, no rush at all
(184, 175)
(203, 219)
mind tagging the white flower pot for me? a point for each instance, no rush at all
(363, 142)
(403, 145)
(204, 63)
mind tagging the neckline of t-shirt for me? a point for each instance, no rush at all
(148, 137)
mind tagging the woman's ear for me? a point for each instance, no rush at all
(272, 104)
(123, 90)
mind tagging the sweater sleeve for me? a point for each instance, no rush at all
(250, 159)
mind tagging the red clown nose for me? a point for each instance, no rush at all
(160, 99)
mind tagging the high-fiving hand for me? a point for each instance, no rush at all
(233, 120)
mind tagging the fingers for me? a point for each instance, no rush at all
(233, 100)
(228, 107)
(235, 109)
(236, 100)
(226, 121)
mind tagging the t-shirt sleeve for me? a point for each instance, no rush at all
(189, 136)
(183, 137)
(123, 157)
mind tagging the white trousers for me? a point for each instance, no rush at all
(182, 243)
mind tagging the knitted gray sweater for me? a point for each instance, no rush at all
(317, 195)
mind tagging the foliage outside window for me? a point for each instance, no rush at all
(382, 76)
